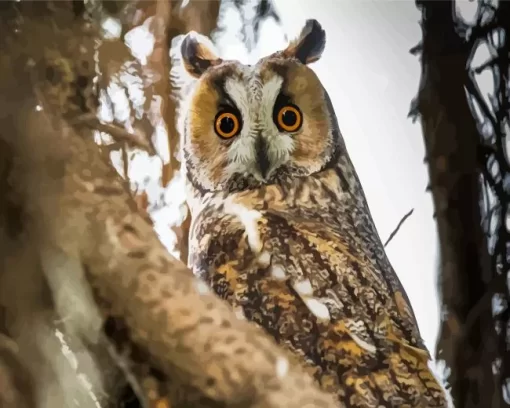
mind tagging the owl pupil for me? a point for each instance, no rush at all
(227, 125)
(289, 117)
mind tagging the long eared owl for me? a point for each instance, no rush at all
(282, 231)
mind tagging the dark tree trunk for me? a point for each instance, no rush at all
(467, 340)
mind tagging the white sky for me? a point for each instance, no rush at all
(371, 79)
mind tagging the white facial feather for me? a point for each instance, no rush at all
(280, 145)
(255, 101)
(241, 154)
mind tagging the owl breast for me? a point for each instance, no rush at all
(305, 277)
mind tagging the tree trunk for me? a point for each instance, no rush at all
(467, 339)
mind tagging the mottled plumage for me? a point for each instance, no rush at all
(281, 228)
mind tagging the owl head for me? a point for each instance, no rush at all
(246, 125)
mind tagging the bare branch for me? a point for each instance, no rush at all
(397, 228)
(487, 64)
(119, 134)
(182, 330)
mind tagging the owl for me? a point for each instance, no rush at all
(282, 231)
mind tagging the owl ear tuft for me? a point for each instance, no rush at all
(196, 55)
(309, 45)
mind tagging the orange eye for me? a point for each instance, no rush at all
(289, 118)
(226, 125)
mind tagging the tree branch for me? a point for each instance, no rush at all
(172, 327)
(397, 228)
(100, 267)
(119, 134)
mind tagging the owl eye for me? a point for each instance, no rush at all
(289, 118)
(226, 125)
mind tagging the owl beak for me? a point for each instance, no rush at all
(262, 157)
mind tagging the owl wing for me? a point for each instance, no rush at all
(310, 288)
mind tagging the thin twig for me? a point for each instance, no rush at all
(488, 64)
(417, 49)
(132, 139)
(405, 217)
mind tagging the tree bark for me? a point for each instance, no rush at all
(467, 340)
(97, 263)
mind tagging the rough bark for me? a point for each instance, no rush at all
(86, 215)
(466, 341)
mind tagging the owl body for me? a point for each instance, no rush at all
(282, 231)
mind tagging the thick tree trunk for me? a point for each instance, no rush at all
(467, 340)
